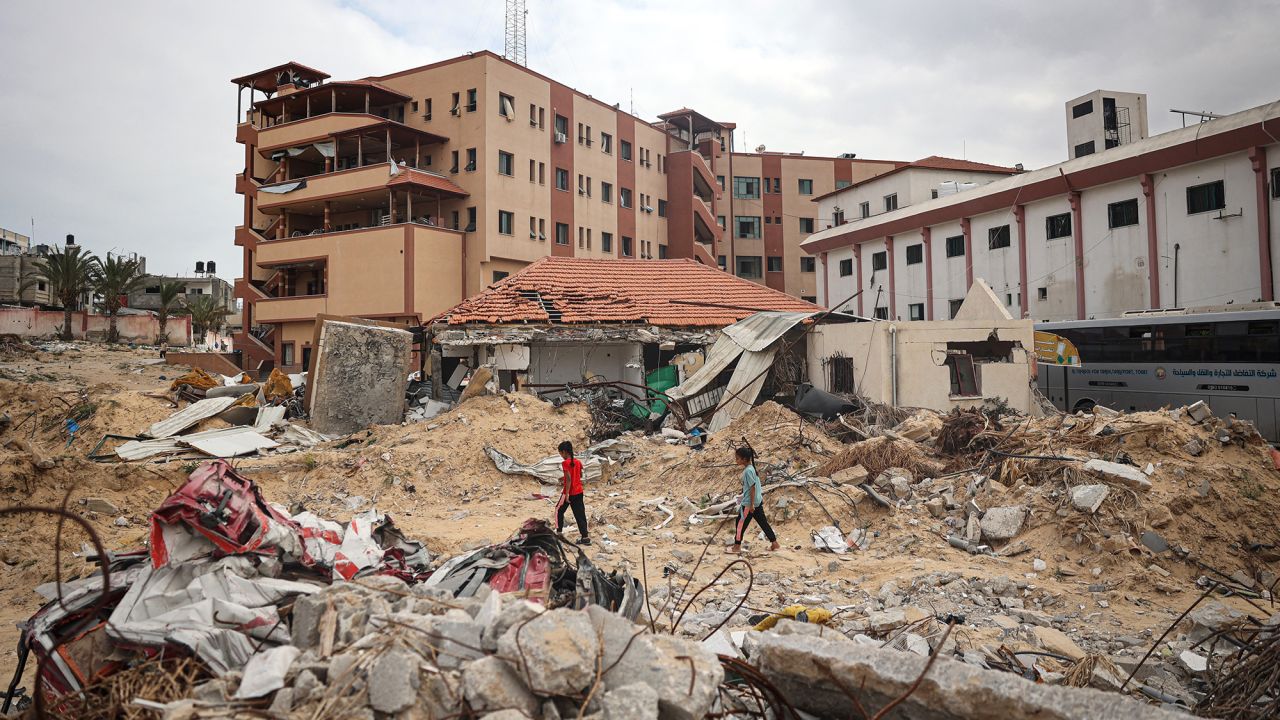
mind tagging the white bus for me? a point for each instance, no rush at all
(1228, 357)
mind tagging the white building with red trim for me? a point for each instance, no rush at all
(1180, 219)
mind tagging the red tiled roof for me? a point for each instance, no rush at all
(933, 162)
(675, 293)
(410, 176)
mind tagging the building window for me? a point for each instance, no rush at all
(777, 186)
(626, 246)
(1275, 182)
(507, 164)
(542, 229)
(810, 299)
(606, 143)
(807, 264)
(1082, 109)
(998, 237)
(286, 354)
(624, 149)
(41, 287)
(456, 107)
(662, 207)
(806, 186)
(864, 209)
(500, 275)
(562, 179)
(506, 106)
(471, 159)
(506, 222)
(606, 242)
(722, 261)
(471, 100)
(1057, 226)
(915, 254)
(748, 226)
(749, 266)
(533, 171)
(720, 181)
(454, 167)
(842, 184)
(533, 115)
(606, 192)
(455, 223)
(562, 126)
(533, 228)
(624, 197)
(746, 188)
(542, 173)
(955, 246)
(964, 381)
(1042, 293)
(882, 313)
(562, 234)
(954, 307)
(768, 220)
(846, 267)
(471, 219)
(426, 109)
(915, 311)
(662, 252)
(806, 225)
(775, 263)
(1205, 198)
(879, 261)
(1084, 149)
(1122, 214)
(933, 194)
(891, 202)
(720, 221)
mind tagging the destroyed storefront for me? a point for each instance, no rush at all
(618, 334)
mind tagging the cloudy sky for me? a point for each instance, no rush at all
(118, 117)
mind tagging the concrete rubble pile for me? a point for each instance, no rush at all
(230, 581)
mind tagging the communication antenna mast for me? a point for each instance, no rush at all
(514, 49)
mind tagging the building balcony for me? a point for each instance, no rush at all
(364, 188)
(705, 228)
(313, 129)
(290, 309)
(335, 98)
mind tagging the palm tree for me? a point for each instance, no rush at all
(70, 273)
(170, 303)
(116, 278)
(206, 314)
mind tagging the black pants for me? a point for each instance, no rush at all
(744, 519)
(579, 513)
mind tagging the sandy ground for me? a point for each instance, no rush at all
(435, 481)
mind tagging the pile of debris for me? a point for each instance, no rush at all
(245, 415)
(227, 580)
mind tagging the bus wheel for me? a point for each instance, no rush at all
(1085, 406)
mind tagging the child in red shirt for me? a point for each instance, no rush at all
(571, 493)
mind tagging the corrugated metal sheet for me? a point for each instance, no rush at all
(740, 395)
(142, 449)
(188, 416)
(759, 331)
(751, 334)
(228, 442)
(268, 416)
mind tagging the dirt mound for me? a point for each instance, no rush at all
(879, 454)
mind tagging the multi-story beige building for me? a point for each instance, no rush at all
(396, 197)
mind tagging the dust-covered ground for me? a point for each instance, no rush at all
(1212, 495)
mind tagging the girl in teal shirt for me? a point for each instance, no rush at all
(751, 504)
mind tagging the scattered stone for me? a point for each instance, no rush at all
(1198, 411)
(855, 475)
(1088, 498)
(1193, 663)
(1194, 447)
(901, 487)
(1056, 641)
(886, 620)
(122, 521)
(1039, 565)
(937, 507)
(1003, 523)
(1159, 516)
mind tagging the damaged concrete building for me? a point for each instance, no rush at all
(983, 355)
(569, 320)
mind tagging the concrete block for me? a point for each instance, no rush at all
(951, 690)
(1088, 498)
(393, 681)
(1003, 523)
(1128, 475)
(491, 684)
(359, 377)
(555, 651)
(636, 701)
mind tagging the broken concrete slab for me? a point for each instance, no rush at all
(855, 475)
(1056, 641)
(490, 684)
(636, 701)
(1088, 498)
(1003, 523)
(393, 681)
(951, 690)
(556, 651)
(1128, 475)
(359, 376)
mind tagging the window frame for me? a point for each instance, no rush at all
(955, 249)
(845, 267)
(565, 234)
(1219, 197)
(510, 160)
(864, 209)
(562, 174)
(806, 225)
(606, 242)
(754, 220)
(506, 219)
(772, 261)
(999, 237)
(879, 260)
(505, 100)
(916, 250)
(808, 264)
(742, 185)
(625, 197)
(891, 199)
(1049, 226)
(758, 267)
(625, 150)
(473, 100)
(1114, 218)
(804, 186)
(915, 311)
